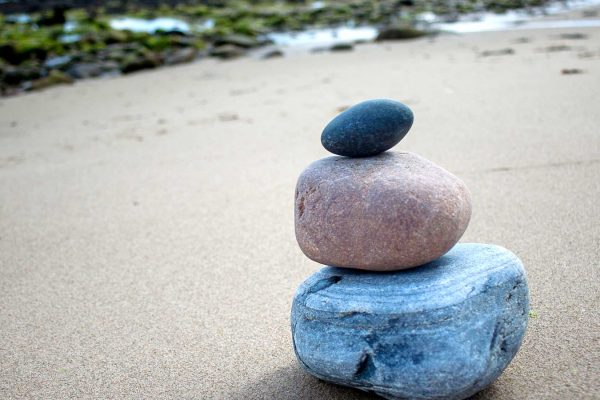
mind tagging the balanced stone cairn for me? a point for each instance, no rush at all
(402, 310)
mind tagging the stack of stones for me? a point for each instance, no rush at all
(401, 309)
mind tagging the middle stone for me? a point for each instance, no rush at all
(382, 213)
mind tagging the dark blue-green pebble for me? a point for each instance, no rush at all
(368, 128)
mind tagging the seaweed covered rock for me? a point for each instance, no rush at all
(55, 77)
(227, 51)
(399, 33)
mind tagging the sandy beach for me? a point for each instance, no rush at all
(147, 245)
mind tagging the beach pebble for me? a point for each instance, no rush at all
(273, 53)
(368, 128)
(442, 331)
(399, 33)
(342, 47)
(382, 213)
(227, 51)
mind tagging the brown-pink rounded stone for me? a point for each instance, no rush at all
(382, 213)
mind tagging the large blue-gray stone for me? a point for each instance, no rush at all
(445, 330)
(368, 128)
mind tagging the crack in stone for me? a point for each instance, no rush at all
(324, 284)
(365, 368)
(495, 335)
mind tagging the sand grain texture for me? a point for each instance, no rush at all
(147, 244)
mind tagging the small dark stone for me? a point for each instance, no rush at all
(342, 47)
(571, 71)
(227, 51)
(272, 54)
(180, 56)
(245, 42)
(140, 63)
(573, 36)
(368, 128)
(400, 33)
(501, 52)
(557, 48)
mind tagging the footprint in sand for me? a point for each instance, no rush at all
(571, 71)
(556, 48)
(501, 52)
(573, 36)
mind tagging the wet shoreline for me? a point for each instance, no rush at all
(81, 48)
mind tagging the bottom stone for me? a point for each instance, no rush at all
(444, 330)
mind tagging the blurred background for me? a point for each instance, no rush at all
(43, 43)
(149, 152)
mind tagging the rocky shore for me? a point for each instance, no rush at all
(59, 45)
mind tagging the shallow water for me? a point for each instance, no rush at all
(323, 37)
(502, 25)
(469, 23)
(515, 19)
(326, 37)
(150, 25)
(18, 18)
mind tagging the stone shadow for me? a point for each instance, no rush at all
(293, 383)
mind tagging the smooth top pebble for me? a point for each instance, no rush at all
(368, 128)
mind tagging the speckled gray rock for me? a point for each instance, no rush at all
(442, 331)
(382, 213)
(368, 128)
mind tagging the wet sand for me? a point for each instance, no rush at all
(147, 247)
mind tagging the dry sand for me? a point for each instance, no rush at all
(147, 246)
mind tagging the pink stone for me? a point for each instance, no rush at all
(382, 213)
